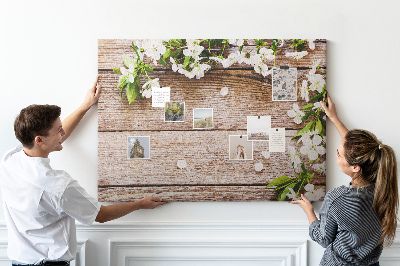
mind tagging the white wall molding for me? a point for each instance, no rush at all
(129, 226)
(80, 254)
(198, 252)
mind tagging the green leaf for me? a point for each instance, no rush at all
(128, 60)
(282, 195)
(187, 60)
(323, 122)
(215, 42)
(176, 53)
(303, 167)
(299, 185)
(309, 127)
(162, 62)
(132, 90)
(149, 69)
(278, 181)
(167, 53)
(320, 128)
(123, 81)
(307, 115)
(308, 107)
(117, 70)
(318, 97)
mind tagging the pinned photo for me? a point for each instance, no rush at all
(174, 112)
(258, 128)
(240, 148)
(284, 84)
(203, 118)
(138, 147)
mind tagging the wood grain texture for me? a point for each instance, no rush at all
(209, 175)
(249, 95)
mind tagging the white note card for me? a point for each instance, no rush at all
(160, 95)
(277, 140)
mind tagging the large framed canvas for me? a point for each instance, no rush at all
(211, 119)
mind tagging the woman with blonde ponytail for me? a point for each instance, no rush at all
(357, 220)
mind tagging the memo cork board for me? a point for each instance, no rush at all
(211, 119)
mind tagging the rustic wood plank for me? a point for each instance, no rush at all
(189, 193)
(111, 51)
(206, 154)
(249, 95)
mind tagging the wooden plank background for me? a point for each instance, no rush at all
(209, 175)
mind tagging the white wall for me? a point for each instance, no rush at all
(48, 54)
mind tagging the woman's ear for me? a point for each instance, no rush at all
(356, 168)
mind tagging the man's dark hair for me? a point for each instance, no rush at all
(35, 120)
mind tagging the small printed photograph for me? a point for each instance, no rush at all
(258, 128)
(284, 84)
(203, 118)
(139, 147)
(174, 112)
(240, 148)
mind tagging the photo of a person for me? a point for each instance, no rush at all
(240, 148)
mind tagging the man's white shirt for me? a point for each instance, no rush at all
(41, 206)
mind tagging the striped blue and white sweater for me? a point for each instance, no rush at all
(348, 227)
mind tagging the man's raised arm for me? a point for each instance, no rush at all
(70, 123)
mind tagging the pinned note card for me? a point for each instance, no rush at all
(160, 95)
(277, 140)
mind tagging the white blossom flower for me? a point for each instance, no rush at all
(317, 106)
(182, 164)
(311, 44)
(239, 57)
(124, 71)
(227, 62)
(147, 93)
(294, 157)
(306, 137)
(313, 149)
(262, 69)
(312, 194)
(304, 91)
(267, 54)
(151, 84)
(224, 91)
(193, 49)
(320, 168)
(297, 55)
(216, 58)
(314, 67)
(317, 82)
(258, 167)
(131, 78)
(292, 195)
(266, 154)
(259, 61)
(197, 71)
(296, 113)
(238, 42)
(152, 48)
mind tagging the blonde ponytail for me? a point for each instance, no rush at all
(378, 165)
(386, 199)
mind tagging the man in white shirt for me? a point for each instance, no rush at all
(42, 204)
